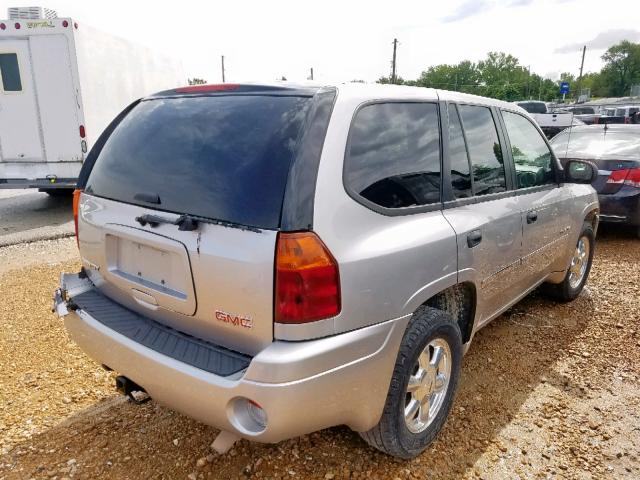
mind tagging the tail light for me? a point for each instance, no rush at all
(626, 176)
(307, 279)
(76, 204)
(83, 133)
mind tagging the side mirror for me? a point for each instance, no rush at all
(580, 171)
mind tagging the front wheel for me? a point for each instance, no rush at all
(579, 268)
(422, 386)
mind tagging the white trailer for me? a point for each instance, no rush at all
(61, 83)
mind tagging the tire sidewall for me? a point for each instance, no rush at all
(443, 327)
(587, 232)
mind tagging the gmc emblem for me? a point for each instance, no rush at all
(235, 320)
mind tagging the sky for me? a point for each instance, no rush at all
(352, 39)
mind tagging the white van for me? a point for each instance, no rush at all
(61, 83)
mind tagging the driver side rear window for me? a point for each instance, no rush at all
(393, 155)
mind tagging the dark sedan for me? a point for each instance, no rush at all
(616, 151)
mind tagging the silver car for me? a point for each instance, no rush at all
(277, 259)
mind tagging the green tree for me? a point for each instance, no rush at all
(622, 68)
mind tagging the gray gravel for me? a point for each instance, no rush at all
(29, 216)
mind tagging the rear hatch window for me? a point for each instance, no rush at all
(224, 157)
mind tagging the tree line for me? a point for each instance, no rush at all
(501, 76)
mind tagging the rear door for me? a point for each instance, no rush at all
(57, 98)
(545, 206)
(484, 212)
(20, 139)
(224, 161)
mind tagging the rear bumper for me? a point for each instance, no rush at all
(302, 386)
(46, 175)
(621, 207)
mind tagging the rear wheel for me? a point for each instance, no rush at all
(422, 386)
(579, 268)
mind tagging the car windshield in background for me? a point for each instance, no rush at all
(533, 107)
(598, 144)
(220, 157)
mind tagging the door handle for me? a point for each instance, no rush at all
(532, 217)
(474, 238)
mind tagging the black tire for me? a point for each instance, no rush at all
(564, 292)
(391, 435)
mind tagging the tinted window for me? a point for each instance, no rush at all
(10, 72)
(221, 157)
(460, 174)
(393, 158)
(531, 155)
(484, 150)
(533, 107)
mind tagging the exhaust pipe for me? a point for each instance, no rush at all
(131, 389)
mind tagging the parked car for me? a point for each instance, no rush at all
(550, 123)
(615, 149)
(627, 112)
(274, 260)
(586, 114)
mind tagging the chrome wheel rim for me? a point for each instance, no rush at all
(428, 385)
(579, 263)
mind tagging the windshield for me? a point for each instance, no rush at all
(533, 107)
(596, 144)
(220, 157)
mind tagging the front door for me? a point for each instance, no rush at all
(543, 203)
(485, 213)
(20, 139)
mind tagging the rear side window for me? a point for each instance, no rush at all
(484, 149)
(220, 157)
(10, 72)
(393, 156)
(460, 171)
(531, 155)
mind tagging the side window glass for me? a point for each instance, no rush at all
(531, 156)
(460, 172)
(484, 149)
(393, 157)
(10, 72)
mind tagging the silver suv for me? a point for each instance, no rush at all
(274, 260)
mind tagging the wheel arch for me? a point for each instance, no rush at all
(459, 301)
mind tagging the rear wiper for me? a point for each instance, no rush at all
(189, 223)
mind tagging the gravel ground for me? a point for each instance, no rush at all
(547, 391)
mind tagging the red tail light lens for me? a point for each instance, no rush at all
(633, 178)
(618, 176)
(626, 176)
(307, 279)
(83, 133)
(65, 24)
(76, 204)
(17, 25)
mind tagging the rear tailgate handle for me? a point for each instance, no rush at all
(532, 217)
(474, 238)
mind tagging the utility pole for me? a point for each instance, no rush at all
(528, 77)
(223, 81)
(584, 50)
(311, 77)
(393, 62)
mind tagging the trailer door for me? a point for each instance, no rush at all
(20, 139)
